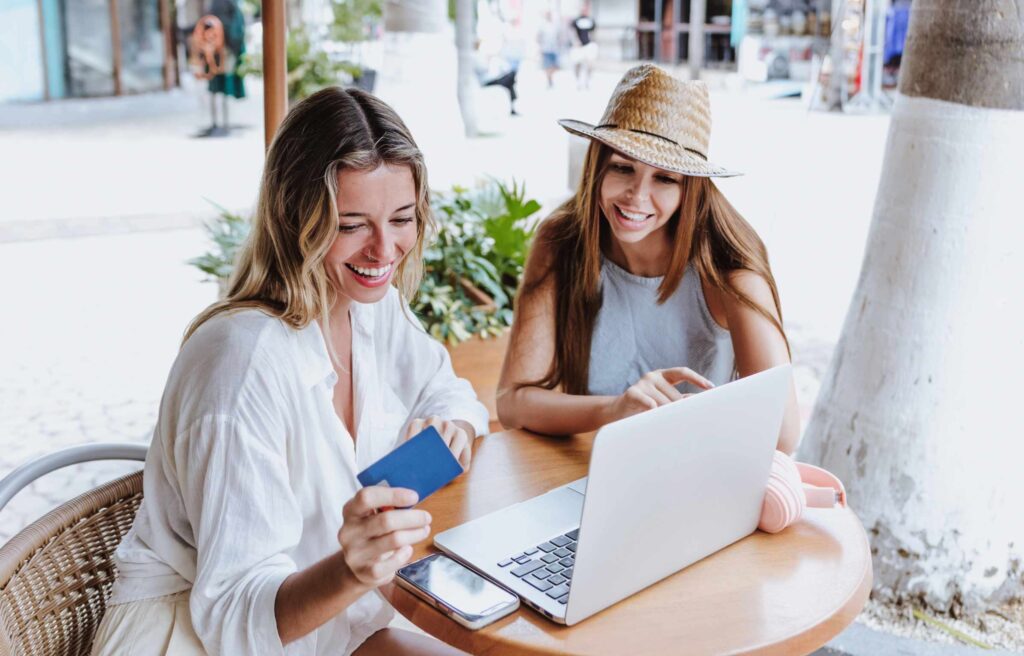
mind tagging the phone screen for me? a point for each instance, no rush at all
(456, 585)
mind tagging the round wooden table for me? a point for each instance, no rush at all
(766, 594)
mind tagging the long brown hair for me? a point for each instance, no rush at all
(706, 230)
(280, 269)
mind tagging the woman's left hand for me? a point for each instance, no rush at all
(455, 437)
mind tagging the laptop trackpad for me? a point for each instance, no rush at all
(518, 526)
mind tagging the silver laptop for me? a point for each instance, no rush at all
(665, 488)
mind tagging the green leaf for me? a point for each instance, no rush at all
(228, 232)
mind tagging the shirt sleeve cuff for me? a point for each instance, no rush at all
(475, 414)
(263, 628)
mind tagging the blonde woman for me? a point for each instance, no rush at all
(254, 536)
(645, 279)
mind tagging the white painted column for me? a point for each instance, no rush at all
(695, 58)
(919, 414)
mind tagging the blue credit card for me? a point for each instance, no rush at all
(423, 463)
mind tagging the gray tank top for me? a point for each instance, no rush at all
(634, 335)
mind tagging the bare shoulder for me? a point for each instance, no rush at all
(752, 285)
(541, 259)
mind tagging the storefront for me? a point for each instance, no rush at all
(778, 39)
(664, 26)
(845, 52)
(83, 48)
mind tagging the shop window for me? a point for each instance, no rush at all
(89, 47)
(142, 46)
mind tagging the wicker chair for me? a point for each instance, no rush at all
(56, 574)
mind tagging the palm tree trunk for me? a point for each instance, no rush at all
(969, 52)
(916, 413)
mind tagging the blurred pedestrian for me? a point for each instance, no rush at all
(500, 73)
(549, 39)
(497, 57)
(230, 82)
(584, 51)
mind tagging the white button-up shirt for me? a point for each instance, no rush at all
(250, 466)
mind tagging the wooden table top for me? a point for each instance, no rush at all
(788, 593)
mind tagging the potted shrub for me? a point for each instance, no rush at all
(473, 266)
(227, 232)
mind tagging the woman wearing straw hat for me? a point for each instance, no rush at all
(254, 536)
(646, 279)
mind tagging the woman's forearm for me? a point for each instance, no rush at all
(553, 413)
(309, 598)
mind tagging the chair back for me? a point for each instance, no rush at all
(56, 574)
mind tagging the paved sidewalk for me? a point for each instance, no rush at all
(86, 347)
(859, 640)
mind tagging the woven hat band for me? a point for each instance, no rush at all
(693, 151)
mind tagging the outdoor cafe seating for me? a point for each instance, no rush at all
(56, 574)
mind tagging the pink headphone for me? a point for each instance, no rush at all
(793, 486)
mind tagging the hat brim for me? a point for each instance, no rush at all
(649, 150)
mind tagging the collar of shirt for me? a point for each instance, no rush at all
(315, 365)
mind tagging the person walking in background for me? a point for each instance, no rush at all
(549, 39)
(499, 71)
(498, 55)
(584, 51)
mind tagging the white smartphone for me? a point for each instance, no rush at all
(457, 591)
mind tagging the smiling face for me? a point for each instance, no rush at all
(377, 227)
(638, 199)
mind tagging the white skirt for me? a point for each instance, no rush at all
(148, 627)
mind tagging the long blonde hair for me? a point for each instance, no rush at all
(280, 268)
(706, 230)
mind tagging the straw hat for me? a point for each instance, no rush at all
(658, 120)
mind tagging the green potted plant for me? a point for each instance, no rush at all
(310, 68)
(475, 261)
(228, 232)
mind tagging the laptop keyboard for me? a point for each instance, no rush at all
(548, 566)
